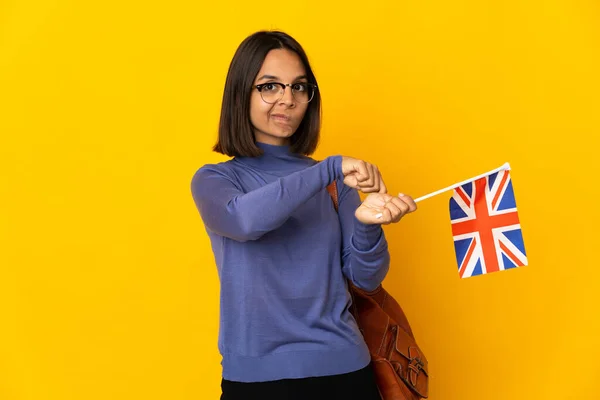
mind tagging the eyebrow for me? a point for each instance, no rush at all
(275, 77)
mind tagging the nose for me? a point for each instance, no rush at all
(287, 98)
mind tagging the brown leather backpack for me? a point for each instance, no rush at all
(400, 365)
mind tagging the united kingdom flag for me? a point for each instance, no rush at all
(485, 226)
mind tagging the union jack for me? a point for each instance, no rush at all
(485, 226)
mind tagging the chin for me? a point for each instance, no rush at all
(284, 134)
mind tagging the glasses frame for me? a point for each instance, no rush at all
(283, 86)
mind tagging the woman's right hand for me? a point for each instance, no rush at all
(362, 175)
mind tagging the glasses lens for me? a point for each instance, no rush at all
(270, 93)
(303, 92)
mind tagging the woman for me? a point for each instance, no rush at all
(282, 251)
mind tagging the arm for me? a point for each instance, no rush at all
(228, 211)
(365, 255)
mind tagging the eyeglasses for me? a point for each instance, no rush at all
(272, 92)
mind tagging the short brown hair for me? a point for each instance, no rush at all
(236, 134)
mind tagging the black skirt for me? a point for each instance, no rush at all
(358, 385)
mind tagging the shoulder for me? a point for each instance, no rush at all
(209, 172)
(222, 167)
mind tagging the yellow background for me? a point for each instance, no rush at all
(108, 288)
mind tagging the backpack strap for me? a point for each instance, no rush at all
(333, 192)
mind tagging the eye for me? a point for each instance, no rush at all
(299, 87)
(270, 87)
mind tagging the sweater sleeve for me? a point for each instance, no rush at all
(365, 255)
(228, 211)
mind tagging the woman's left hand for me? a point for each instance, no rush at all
(384, 209)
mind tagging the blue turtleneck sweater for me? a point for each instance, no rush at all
(283, 255)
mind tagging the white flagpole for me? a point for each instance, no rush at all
(502, 168)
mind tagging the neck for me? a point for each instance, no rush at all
(278, 158)
(272, 140)
(274, 148)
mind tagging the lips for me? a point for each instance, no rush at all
(280, 117)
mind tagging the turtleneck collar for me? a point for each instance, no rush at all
(273, 149)
(277, 158)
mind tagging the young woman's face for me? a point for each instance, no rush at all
(276, 123)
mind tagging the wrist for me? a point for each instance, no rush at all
(366, 235)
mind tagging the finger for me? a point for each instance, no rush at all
(382, 199)
(350, 180)
(409, 201)
(386, 217)
(395, 211)
(374, 179)
(362, 173)
(368, 186)
(382, 187)
(368, 183)
(398, 202)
